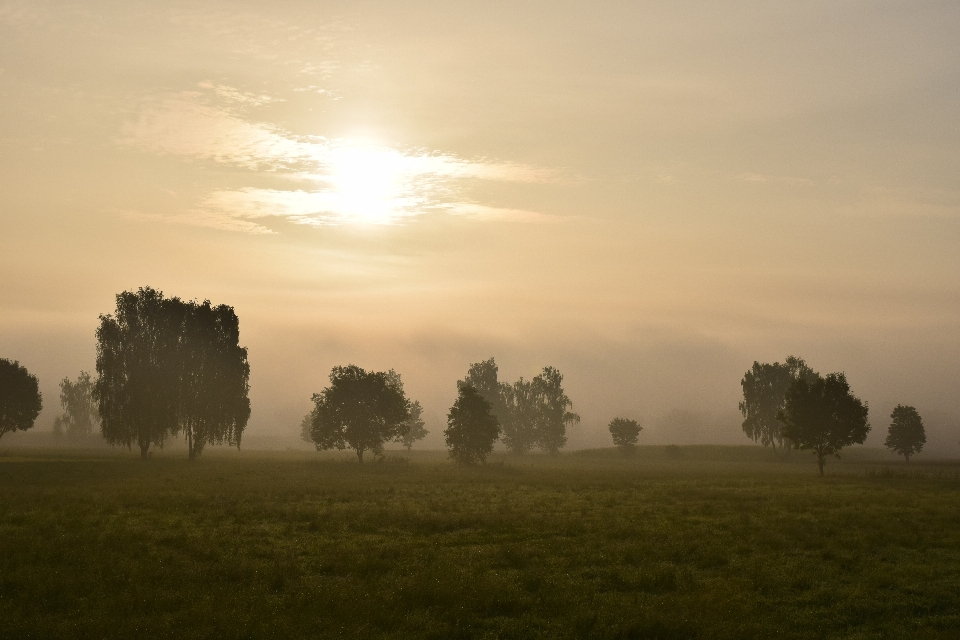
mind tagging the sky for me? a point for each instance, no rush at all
(649, 196)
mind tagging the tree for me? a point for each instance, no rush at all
(482, 376)
(306, 427)
(625, 433)
(552, 411)
(359, 410)
(20, 397)
(521, 414)
(471, 427)
(79, 410)
(415, 426)
(764, 391)
(212, 375)
(134, 391)
(823, 416)
(166, 366)
(906, 435)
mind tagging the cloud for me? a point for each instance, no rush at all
(349, 181)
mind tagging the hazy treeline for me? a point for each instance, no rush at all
(168, 367)
(791, 406)
(363, 410)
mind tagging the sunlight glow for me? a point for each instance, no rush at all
(368, 184)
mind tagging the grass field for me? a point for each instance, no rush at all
(696, 542)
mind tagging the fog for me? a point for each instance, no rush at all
(647, 197)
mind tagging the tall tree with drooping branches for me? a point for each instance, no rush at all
(765, 388)
(166, 366)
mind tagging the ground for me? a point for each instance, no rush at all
(691, 542)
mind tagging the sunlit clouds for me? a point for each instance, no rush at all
(332, 181)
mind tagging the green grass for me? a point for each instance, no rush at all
(700, 542)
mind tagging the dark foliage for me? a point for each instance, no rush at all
(625, 432)
(823, 416)
(415, 426)
(906, 435)
(471, 427)
(166, 366)
(80, 413)
(764, 393)
(531, 413)
(360, 410)
(20, 398)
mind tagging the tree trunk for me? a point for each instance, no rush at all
(143, 450)
(192, 454)
(360, 455)
(907, 456)
(820, 462)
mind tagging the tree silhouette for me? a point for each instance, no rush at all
(359, 410)
(625, 433)
(482, 376)
(906, 435)
(471, 427)
(212, 374)
(166, 366)
(79, 410)
(134, 391)
(415, 427)
(20, 398)
(552, 408)
(764, 392)
(823, 416)
(521, 415)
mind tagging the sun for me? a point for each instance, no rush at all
(367, 183)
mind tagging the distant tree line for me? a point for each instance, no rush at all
(363, 410)
(168, 367)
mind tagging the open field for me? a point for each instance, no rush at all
(695, 542)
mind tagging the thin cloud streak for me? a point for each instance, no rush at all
(356, 181)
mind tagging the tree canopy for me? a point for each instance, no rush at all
(415, 426)
(20, 397)
(532, 413)
(166, 366)
(823, 416)
(906, 435)
(764, 392)
(360, 410)
(625, 433)
(471, 427)
(79, 410)
(553, 408)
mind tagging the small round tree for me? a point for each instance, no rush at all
(625, 433)
(471, 427)
(906, 435)
(20, 399)
(360, 410)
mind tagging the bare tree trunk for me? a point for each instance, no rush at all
(192, 453)
(360, 455)
(143, 450)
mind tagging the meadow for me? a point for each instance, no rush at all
(688, 542)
